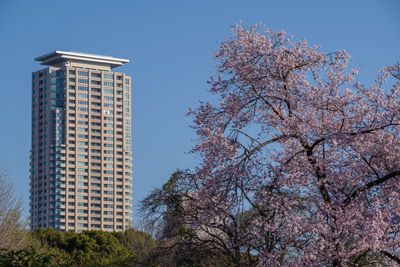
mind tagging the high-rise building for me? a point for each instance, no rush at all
(81, 157)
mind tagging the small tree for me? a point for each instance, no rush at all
(12, 235)
(173, 212)
(312, 152)
(139, 244)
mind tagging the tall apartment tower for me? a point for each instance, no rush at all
(81, 157)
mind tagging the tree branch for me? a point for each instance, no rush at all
(370, 185)
(391, 256)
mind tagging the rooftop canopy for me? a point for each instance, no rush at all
(56, 58)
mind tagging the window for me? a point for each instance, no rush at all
(81, 102)
(109, 98)
(83, 73)
(95, 82)
(127, 81)
(83, 88)
(83, 95)
(86, 81)
(108, 91)
(109, 76)
(96, 75)
(83, 109)
(111, 84)
(106, 105)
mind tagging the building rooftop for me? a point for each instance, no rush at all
(57, 57)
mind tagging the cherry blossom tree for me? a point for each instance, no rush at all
(312, 153)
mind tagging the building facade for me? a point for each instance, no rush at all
(81, 156)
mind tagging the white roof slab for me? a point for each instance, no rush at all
(57, 57)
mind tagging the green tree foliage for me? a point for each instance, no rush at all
(89, 248)
(140, 244)
(24, 258)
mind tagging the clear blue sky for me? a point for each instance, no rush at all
(169, 44)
